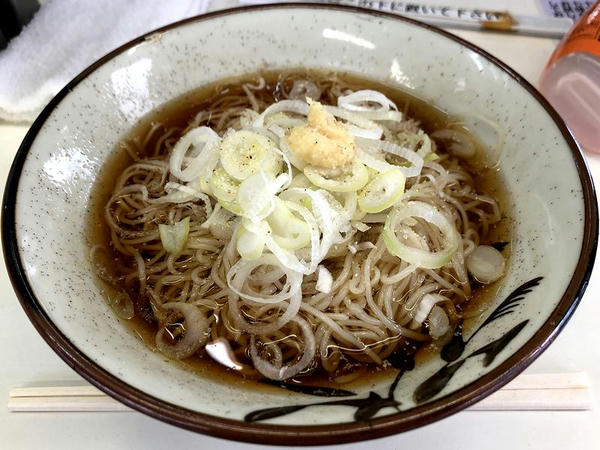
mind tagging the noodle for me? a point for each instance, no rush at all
(202, 293)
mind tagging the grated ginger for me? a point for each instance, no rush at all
(323, 142)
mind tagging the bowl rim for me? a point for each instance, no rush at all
(303, 434)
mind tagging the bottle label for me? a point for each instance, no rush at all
(573, 9)
(584, 37)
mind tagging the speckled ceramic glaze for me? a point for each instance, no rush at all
(553, 205)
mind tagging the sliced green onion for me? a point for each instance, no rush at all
(289, 231)
(122, 305)
(392, 116)
(358, 214)
(204, 186)
(382, 192)
(485, 264)
(414, 162)
(417, 256)
(173, 237)
(294, 106)
(349, 200)
(355, 124)
(285, 257)
(431, 157)
(302, 181)
(364, 101)
(425, 144)
(232, 206)
(223, 186)
(439, 324)
(204, 142)
(287, 151)
(360, 226)
(284, 120)
(181, 193)
(375, 162)
(324, 280)
(425, 305)
(250, 244)
(352, 181)
(256, 194)
(243, 153)
(459, 143)
(325, 218)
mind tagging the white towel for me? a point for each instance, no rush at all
(66, 36)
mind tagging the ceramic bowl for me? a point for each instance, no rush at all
(551, 201)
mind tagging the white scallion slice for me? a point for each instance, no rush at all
(417, 256)
(458, 142)
(243, 153)
(284, 120)
(232, 206)
(485, 264)
(376, 162)
(439, 324)
(256, 195)
(292, 158)
(423, 144)
(325, 218)
(173, 237)
(204, 186)
(431, 157)
(345, 203)
(197, 331)
(180, 193)
(303, 89)
(223, 186)
(122, 305)
(414, 161)
(382, 191)
(294, 106)
(250, 244)
(201, 142)
(354, 180)
(285, 257)
(357, 125)
(217, 215)
(324, 280)
(425, 305)
(302, 181)
(360, 100)
(392, 116)
(358, 214)
(360, 226)
(289, 231)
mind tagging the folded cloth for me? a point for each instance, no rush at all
(66, 36)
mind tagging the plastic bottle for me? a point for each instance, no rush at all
(571, 80)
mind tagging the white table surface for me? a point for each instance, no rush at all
(26, 360)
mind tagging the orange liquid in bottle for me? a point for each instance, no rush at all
(571, 80)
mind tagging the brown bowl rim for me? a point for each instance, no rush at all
(287, 434)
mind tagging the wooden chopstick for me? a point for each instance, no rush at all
(100, 403)
(57, 391)
(572, 380)
(536, 400)
(528, 392)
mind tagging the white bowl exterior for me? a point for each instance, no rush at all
(84, 128)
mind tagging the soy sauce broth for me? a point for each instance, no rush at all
(180, 111)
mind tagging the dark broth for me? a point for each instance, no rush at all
(180, 111)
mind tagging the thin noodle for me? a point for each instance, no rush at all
(374, 296)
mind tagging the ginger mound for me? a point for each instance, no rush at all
(323, 142)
